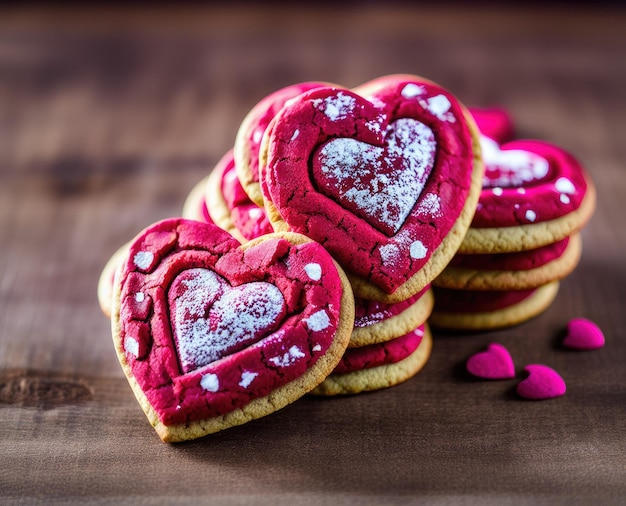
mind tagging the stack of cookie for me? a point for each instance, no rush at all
(524, 237)
(359, 201)
(384, 178)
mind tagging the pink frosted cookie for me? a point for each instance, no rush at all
(212, 334)
(512, 271)
(494, 122)
(195, 205)
(388, 183)
(230, 207)
(489, 309)
(250, 134)
(534, 193)
(379, 366)
(376, 322)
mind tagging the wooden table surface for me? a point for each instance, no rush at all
(109, 116)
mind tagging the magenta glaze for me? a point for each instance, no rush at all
(542, 382)
(249, 219)
(304, 128)
(518, 261)
(448, 300)
(494, 363)
(494, 122)
(373, 355)
(161, 271)
(527, 181)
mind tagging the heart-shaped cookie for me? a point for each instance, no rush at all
(211, 333)
(583, 334)
(494, 363)
(387, 183)
(542, 382)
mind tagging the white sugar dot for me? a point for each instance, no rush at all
(418, 250)
(531, 215)
(497, 191)
(314, 271)
(564, 198)
(131, 346)
(516, 206)
(291, 357)
(439, 106)
(564, 185)
(210, 382)
(140, 297)
(255, 212)
(318, 321)
(246, 378)
(412, 90)
(295, 135)
(257, 135)
(317, 347)
(521, 191)
(143, 259)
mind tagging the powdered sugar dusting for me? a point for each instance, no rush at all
(383, 184)
(211, 319)
(430, 205)
(314, 271)
(289, 358)
(389, 254)
(336, 107)
(246, 378)
(131, 345)
(143, 259)
(210, 382)
(318, 321)
(510, 167)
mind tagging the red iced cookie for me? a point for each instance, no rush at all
(386, 183)
(212, 334)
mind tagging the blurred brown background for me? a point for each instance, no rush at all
(110, 113)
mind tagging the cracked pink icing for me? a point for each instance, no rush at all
(206, 326)
(518, 261)
(414, 173)
(494, 122)
(248, 218)
(373, 355)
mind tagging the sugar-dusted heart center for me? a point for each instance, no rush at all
(511, 168)
(380, 184)
(210, 319)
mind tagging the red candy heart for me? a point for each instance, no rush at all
(583, 334)
(206, 329)
(542, 382)
(495, 363)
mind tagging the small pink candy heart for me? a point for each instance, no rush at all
(543, 382)
(583, 334)
(495, 363)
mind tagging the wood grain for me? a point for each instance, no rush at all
(109, 116)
